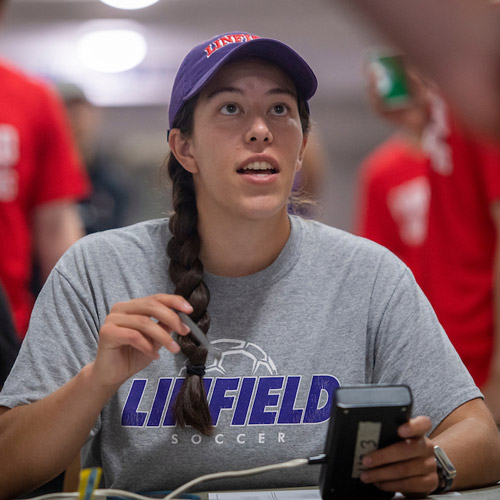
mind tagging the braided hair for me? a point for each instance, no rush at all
(186, 273)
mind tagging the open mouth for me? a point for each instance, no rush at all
(258, 168)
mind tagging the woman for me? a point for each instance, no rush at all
(295, 308)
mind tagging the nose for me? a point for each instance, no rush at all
(259, 132)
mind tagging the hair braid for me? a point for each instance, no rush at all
(186, 273)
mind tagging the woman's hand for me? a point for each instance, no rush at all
(408, 466)
(133, 333)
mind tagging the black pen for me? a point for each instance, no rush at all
(200, 336)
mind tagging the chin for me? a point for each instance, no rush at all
(260, 211)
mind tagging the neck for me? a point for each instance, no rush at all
(236, 248)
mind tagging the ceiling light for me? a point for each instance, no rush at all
(129, 4)
(112, 51)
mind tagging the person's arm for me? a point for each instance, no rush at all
(39, 440)
(43, 437)
(491, 389)
(454, 42)
(72, 475)
(468, 436)
(413, 348)
(57, 225)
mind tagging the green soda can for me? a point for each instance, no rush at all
(390, 78)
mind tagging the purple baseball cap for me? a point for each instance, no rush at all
(204, 60)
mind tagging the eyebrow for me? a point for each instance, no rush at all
(273, 91)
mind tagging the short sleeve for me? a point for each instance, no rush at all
(412, 348)
(61, 340)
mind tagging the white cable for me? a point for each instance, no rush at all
(121, 493)
(105, 492)
(246, 472)
(216, 475)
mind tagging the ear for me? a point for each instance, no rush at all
(301, 153)
(180, 145)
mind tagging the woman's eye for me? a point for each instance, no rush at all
(229, 109)
(279, 109)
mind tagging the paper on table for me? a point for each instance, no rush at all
(312, 494)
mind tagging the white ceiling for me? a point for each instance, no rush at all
(41, 35)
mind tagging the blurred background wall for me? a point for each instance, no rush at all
(42, 36)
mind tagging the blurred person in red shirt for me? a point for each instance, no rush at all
(462, 278)
(393, 186)
(41, 177)
(457, 262)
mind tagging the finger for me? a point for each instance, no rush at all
(170, 320)
(172, 345)
(415, 427)
(157, 346)
(114, 336)
(400, 470)
(159, 306)
(421, 485)
(175, 301)
(134, 339)
(399, 452)
(172, 301)
(146, 327)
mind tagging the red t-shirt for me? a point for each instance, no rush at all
(459, 255)
(38, 164)
(393, 200)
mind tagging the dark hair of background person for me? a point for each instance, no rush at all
(9, 340)
(186, 272)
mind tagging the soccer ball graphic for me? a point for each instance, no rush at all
(238, 357)
(241, 357)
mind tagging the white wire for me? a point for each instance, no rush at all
(216, 475)
(246, 472)
(121, 493)
(101, 493)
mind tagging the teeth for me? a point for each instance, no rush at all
(259, 165)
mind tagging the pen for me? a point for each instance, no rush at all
(200, 336)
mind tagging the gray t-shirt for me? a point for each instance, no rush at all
(333, 309)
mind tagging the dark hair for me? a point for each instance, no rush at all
(186, 272)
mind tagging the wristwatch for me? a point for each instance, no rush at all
(445, 470)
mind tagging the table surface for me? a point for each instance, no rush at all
(486, 493)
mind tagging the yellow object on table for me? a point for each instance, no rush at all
(89, 481)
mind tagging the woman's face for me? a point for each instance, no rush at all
(247, 142)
